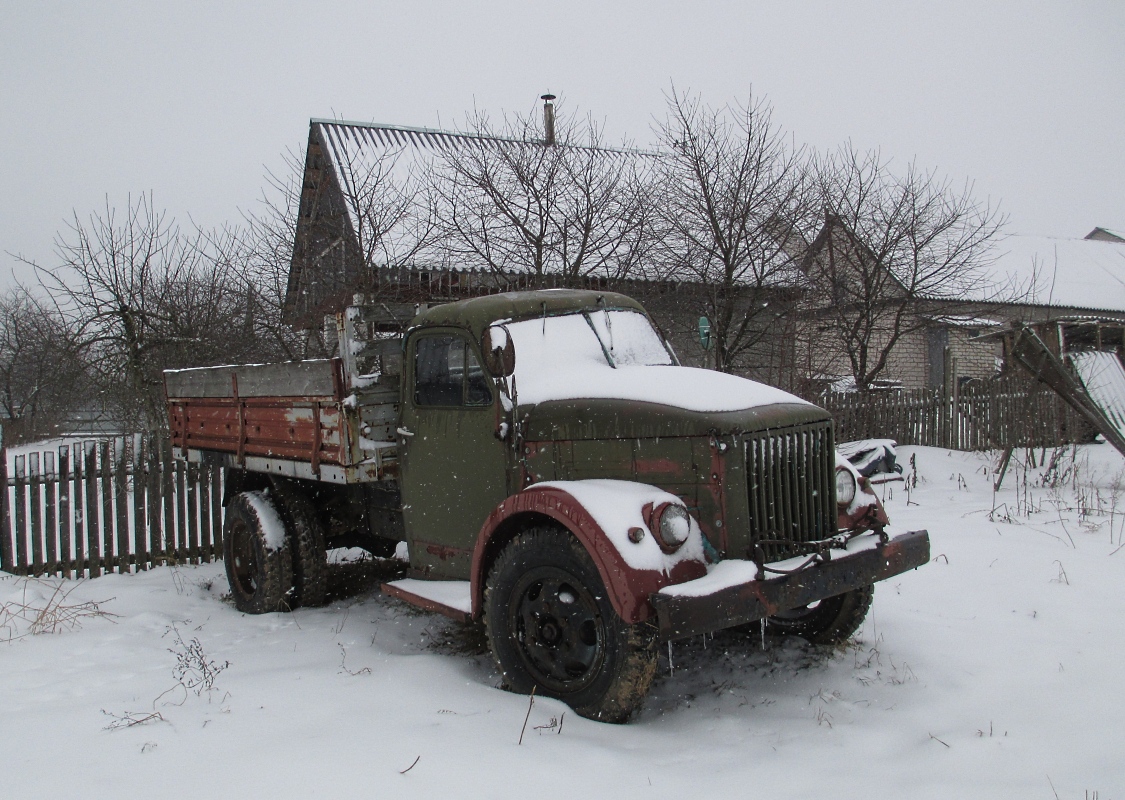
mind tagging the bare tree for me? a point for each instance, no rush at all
(42, 376)
(259, 254)
(141, 296)
(733, 198)
(892, 247)
(508, 202)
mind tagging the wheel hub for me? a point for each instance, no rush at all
(558, 629)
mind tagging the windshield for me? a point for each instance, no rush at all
(604, 338)
(616, 355)
(560, 356)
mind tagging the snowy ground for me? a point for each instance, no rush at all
(991, 672)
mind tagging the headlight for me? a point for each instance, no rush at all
(845, 486)
(671, 523)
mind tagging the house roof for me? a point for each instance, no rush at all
(364, 153)
(1106, 235)
(1063, 273)
(351, 165)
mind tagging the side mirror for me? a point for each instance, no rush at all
(499, 352)
(705, 333)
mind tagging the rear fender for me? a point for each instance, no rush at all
(237, 481)
(629, 587)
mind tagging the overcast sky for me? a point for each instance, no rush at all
(194, 101)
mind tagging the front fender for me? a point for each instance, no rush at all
(599, 513)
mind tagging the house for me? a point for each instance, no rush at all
(366, 225)
(1071, 291)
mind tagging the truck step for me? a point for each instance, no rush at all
(451, 598)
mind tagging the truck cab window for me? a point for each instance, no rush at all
(447, 373)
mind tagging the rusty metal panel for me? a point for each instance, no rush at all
(681, 616)
(304, 430)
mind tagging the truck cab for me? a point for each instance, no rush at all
(555, 473)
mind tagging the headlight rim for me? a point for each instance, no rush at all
(852, 486)
(656, 517)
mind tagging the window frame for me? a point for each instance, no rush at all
(469, 349)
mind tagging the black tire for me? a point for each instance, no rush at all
(551, 627)
(260, 575)
(830, 621)
(306, 543)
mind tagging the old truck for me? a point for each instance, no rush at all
(554, 473)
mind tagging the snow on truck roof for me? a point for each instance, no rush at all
(566, 339)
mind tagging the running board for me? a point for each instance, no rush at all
(449, 598)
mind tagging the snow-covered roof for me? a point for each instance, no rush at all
(1068, 273)
(1107, 234)
(365, 148)
(1104, 378)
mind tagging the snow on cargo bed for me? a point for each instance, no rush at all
(569, 358)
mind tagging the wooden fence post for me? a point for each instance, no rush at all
(154, 504)
(6, 555)
(140, 493)
(94, 555)
(121, 503)
(65, 512)
(50, 509)
(34, 482)
(79, 507)
(20, 566)
(168, 501)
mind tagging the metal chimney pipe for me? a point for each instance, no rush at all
(548, 119)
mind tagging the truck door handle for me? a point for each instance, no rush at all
(404, 432)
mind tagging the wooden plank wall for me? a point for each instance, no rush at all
(88, 508)
(989, 416)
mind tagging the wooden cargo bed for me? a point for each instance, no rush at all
(291, 418)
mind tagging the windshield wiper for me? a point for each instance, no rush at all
(605, 351)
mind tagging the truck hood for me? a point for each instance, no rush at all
(689, 388)
(653, 401)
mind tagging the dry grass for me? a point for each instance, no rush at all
(48, 612)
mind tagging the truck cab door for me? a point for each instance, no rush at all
(453, 468)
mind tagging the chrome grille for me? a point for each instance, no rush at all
(792, 488)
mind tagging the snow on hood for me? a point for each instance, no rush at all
(616, 507)
(568, 358)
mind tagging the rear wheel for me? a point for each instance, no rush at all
(552, 628)
(256, 554)
(829, 621)
(306, 543)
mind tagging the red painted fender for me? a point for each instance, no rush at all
(628, 588)
(867, 518)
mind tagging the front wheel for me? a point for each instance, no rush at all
(552, 629)
(256, 553)
(829, 621)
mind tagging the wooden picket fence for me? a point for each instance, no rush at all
(93, 507)
(987, 416)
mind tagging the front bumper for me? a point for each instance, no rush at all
(683, 614)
